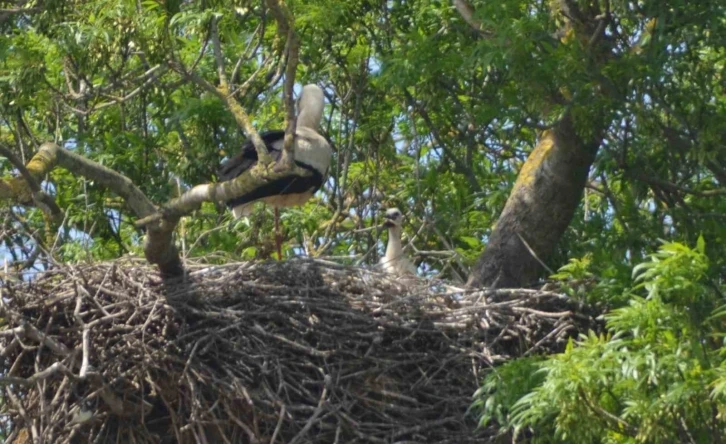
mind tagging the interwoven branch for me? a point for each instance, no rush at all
(300, 351)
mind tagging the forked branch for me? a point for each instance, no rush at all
(158, 246)
(227, 95)
(160, 223)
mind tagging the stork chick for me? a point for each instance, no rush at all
(312, 152)
(395, 261)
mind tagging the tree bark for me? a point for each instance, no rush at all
(552, 180)
(539, 209)
(160, 223)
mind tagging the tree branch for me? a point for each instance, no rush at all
(616, 423)
(160, 223)
(672, 187)
(41, 199)
(150, 77)
(288, 155)
(159, 248)
(218, 56)
(460, 166)
(227, 97)
(249, 51)
(467, 13)
(286, 30)
(7, 13)
(219, 192)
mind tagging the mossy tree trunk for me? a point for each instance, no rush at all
(539, 209)
(552, 180)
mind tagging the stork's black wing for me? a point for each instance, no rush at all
(285, 185)
(247, 157)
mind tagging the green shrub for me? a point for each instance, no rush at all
(658, 376)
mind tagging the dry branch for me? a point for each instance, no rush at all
(299, 351)
(225, 93)
(286, 32)
(467, 13)
(41, 199)
(160, 223)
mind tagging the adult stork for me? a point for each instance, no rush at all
(312, 153)
(395, 261)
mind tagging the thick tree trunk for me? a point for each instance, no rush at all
(539, 209)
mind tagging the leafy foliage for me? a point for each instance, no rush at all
(434, 117)
(655, 377)
(425, 116)
(502, 388)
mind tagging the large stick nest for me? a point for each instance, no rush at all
(291, 352)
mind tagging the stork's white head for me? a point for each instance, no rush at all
(310, 106)
(394, 218)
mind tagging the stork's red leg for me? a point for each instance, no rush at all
(278, 236)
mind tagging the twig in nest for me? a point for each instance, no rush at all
(299, 351)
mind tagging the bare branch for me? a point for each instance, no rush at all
(41, 375)
(151, 77)
(219, 192)
(288, 156)
(534, 255)
(41, 199)
(224, 94)
(249, 51)
(467, 13)
(246, 86)
(158, 246)
(218, 56)
(29, 331)
(318, 410)
(286, 31)
(653, 181)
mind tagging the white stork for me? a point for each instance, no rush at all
(395, 261)
(312, 152)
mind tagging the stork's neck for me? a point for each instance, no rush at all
(310, 108)
(310, 115)
(394, 250)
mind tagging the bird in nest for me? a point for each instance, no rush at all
(312, 152)
(395, 260)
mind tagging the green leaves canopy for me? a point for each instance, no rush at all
(426, 113)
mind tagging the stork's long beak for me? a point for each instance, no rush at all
(388, 223)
